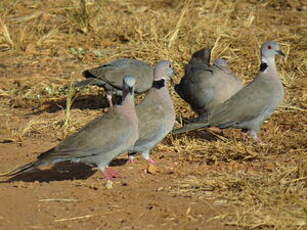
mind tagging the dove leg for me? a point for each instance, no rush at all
(254, 135)
(131, 157)
(145, 155)
(109, 97)
(108, 173)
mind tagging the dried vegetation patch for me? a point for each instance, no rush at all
(271, 196)
(45, 45)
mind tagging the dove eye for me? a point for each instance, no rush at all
(269, 47)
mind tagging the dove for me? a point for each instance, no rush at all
(110, 76)
(156, 113)
(204, 86)
(99, 142)
(255, 102)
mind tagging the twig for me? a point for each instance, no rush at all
(175, 33)
(73, 218)
(57, 200)
(293, 107)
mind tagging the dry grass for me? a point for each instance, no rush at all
(45, 45)
(267, 196)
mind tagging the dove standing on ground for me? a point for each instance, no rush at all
(249, 107)
(99, 142)
(110, 76)
(204, 86)
(156, 112)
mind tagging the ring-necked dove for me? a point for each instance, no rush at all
(156, 112)
(204, 86)
(255, 102)
(99, 142)
(110, 76)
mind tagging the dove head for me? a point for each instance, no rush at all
(202, 56)
(221, 62)
(128, 90)
(163, 71)
(270, 49)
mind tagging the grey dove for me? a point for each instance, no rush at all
(204, 86)
(99, 142)
(156, 112)
(254, 103)
(110, 76)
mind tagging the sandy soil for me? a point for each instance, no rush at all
(80, 199)
(202, 181)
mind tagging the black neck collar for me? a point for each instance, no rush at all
(158, 84)
(263, 66)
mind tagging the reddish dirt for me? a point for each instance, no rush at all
(37, 59)
(138, 201)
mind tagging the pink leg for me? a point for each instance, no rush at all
(255, 137)
(131, 160)
(109, 97)
(258, 140)
(110, 174)
(146, 156)
(151, 161)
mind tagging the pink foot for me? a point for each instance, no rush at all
(151, 161)
(258, 140)
(111, 174)
(131, 160)
(109, 97)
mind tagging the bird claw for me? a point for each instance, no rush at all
(151, 161)
(258, 140)
(109, 97)
(131, 160)
(111, 174)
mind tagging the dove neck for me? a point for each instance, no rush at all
(267, 63)
(161, 90)
(127, 99)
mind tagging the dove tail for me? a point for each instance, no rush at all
(190, 127)
(88, 74)
(89, 81)
(21, 169)
(178, 89)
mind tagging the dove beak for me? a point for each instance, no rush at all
(130, 89)
(279, 52)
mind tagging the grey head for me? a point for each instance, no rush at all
(163, 71)
(221, 62)
(128, 89)
(269, 49)
(202, 56)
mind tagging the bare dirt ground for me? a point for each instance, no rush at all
(207, 179)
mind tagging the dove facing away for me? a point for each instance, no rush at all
(204, 86)
(156, 112)
(110, 76)
(255, 102)
(99, 142)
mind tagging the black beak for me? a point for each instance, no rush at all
(130, 89)
(280, 53)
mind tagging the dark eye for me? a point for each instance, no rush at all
(170, 66)
(269, 47)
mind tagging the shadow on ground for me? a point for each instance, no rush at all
(61, 172)
(83, 103)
